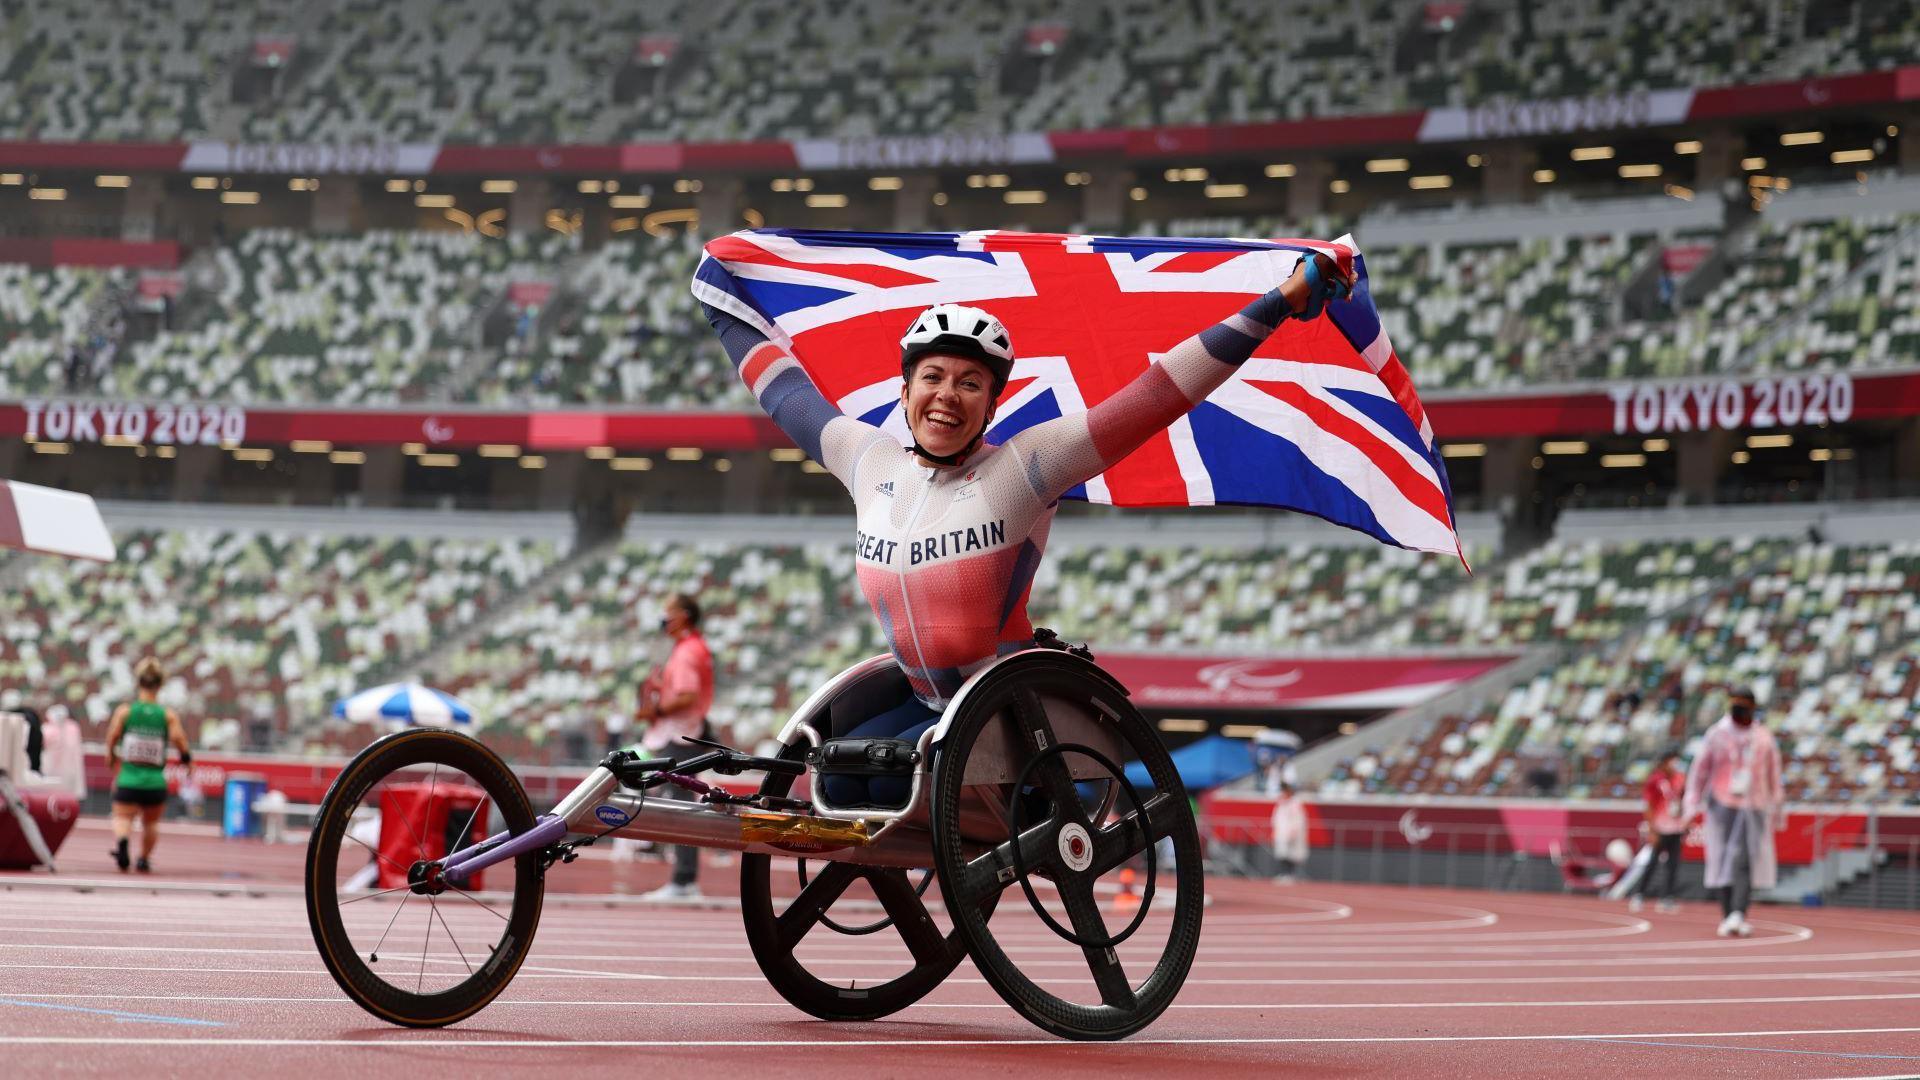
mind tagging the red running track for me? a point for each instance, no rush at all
(179, 974)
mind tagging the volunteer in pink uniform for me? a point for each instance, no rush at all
(1735, 784)
(951, 529)
(674, 702)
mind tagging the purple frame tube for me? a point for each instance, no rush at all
(468, 861)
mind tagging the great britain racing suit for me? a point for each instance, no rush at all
(946, 556)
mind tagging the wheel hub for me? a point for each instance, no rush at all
(425, 878)
(1076, 847)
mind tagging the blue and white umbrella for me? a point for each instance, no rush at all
(404, 703)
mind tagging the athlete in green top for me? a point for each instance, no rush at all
(137, 741)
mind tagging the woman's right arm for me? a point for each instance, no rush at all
(114, 728)
(781, 386)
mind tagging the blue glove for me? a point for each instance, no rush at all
(1320, 289)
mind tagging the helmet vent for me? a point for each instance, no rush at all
(941, 318)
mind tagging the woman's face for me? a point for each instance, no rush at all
(947, 400)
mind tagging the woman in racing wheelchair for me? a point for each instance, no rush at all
(950, 531)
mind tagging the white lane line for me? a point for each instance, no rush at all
(406, 1038)
(1212, 1006)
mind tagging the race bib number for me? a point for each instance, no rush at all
(1740, 782)
(140, 749)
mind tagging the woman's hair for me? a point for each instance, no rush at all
(148, 674)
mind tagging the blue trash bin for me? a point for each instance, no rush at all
(238, 817)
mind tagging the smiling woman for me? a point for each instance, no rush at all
(954, 361)
(951, 530)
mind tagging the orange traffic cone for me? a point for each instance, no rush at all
(1127, 901)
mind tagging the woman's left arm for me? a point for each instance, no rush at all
(1073, 449)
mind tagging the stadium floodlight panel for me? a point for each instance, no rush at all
(499, 450)
(825, 201)
(533, 461)
(630, 464)
(438, 461)
(1656, 446)
(108, 180)
(630, 202)
(787, 453)
(55, 448)
(1820, 453)
(1639, 172)
(1753, 164)
(1226, 191)
(685, 453)
(1429, 183)
(1183, 725)
(722, 465)
(1389, 164)
(1592, 153)
(252, 453)
(1339, 187)
(1564, 447)
(499, 187)
(1242, 731)
(1138, 194)
(885, 183)
(1545, 176)
(399, 187)
(591, 187)
(599, 453)
(47, 194)
(1769, 442)
(1802, 138)
(433, 202)
(311, 446)
(1463, 449)
(348, 457)
(12, 179)
(1622, 461)
(1024, 198)
(240, 198)
(1688, 146)
(1851, 157)
(1280, 170)
(1741, 457)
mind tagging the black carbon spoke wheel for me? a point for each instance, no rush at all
(408, 946)
(1107, 872)
(811, 957)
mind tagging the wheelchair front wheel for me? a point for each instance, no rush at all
(408, 947)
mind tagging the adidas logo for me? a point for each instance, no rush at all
(885, 488)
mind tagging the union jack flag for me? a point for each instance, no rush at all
(1322, 420)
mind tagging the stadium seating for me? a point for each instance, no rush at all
(499, 71)
(1826, 635)
(44, 313)
(371, 318)
(252, 624)
(573, 655)
(1779, 270)
(631, 334)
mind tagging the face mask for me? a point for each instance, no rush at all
(1741, 714)
(664, 623)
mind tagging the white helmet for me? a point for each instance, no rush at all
(962, 331)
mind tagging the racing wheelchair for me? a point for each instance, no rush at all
(1021, 785)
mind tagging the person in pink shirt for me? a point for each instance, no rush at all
(1666, 827)
(1735, 785)
(674, 702)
